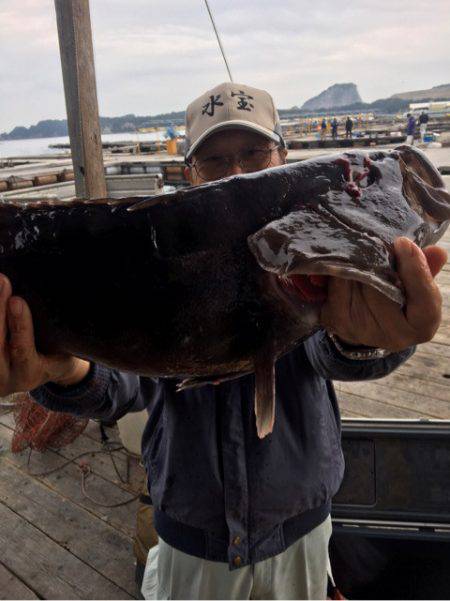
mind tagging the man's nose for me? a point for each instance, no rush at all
(234, 168)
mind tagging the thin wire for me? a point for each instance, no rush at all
(218, 40)
(86, 471)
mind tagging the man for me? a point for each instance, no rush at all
(334, 128)
(239, 517)
(323, 129)
(423, 122)
(349, 127)
(410, 129)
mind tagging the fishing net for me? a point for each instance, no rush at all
(39, 429)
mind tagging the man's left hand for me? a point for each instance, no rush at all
(360, 315)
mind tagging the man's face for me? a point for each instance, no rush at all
(219, 156)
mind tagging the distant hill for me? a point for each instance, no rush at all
(126, 123)
(337, 95)
(337, 99)
(441, 92)
(130, 123)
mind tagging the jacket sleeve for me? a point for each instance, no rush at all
(104, 393)
(329, 363)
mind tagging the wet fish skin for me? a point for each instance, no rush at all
(169, 286)
(351, 236)
(169, 289)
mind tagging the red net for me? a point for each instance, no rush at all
(40, 429)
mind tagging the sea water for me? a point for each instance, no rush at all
(38, 146)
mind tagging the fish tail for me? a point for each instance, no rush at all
(264, 392)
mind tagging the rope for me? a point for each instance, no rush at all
(86, 470)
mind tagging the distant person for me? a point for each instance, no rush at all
(349, 127)
(423, 122)
(410, 129)
(171, 132)
(323, 129)
(334, 128)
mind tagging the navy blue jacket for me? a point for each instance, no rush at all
(411, 126)
(219, 491)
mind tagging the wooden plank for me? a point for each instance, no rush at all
(67, 483)
(442, 336)
(349, 414)
(53, 572)
(400, 381)
(429, 367)
(93, 431)
(12, 587)
(354, 405)
(425, 405)
(443, 278)
(77, 61)
(90, 539)
(435, 348)
(100, 464)
(444, 288)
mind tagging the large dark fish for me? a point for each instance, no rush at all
(218, 280)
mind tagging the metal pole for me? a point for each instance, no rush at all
(77, 62)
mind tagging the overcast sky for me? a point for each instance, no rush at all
(155, 56)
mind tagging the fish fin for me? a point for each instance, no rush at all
(313, 240)
(191, 193)
(434, 201)
(56, 203)
(204, 380)
(160, 199)
(419, 163)
(264, 392)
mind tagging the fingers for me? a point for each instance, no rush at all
(436, 257)
(5, 293)
(21, 343)
(423, 299)
(359, 314)
(335, 311)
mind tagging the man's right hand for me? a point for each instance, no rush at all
(22, 368)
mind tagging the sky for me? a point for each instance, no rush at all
(154, 56)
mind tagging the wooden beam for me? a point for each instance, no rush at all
(13, 587)
(77, 61)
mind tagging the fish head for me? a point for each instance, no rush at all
(346, 227)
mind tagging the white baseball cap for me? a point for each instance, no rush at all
(231, 106)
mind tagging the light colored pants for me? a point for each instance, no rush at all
(300, 572)
(423, 130)
(410, 140)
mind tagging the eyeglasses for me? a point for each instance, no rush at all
(250, 159)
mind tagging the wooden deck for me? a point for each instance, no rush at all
(55, 543)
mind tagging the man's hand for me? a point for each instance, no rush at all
(22, 368)
(360, 315)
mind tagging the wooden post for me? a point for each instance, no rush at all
(77, 61)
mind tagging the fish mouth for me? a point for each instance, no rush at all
(303, 288)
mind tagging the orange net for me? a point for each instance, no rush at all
(40, 429)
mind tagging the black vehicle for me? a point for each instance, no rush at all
(391, 517)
